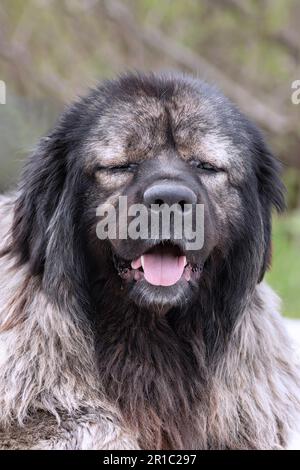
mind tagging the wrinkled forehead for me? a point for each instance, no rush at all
(144, 127)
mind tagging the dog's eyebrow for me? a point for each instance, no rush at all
(106, 155)
(211, 148)
(115, 155)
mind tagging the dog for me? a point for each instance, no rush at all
(141, 343)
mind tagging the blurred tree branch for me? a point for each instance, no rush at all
(54, 48)
(288, 38)
(19, 54)
(269, 118)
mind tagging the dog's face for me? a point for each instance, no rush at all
(158, 141)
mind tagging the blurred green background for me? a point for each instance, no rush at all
(52, 50)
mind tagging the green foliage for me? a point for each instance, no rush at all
(284, 276)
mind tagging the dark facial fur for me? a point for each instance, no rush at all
(156, 345)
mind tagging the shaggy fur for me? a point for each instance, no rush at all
(92, 361)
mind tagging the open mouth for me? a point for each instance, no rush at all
(163, 265)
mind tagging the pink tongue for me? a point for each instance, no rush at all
(163, 269)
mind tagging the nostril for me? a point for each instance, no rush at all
(170, 194)
(159, 202)
(182, 204)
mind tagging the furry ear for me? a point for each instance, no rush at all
(46, 229)
(41, 187)
(271, 194)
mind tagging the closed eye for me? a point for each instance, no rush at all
(206, 167)
(125, 167)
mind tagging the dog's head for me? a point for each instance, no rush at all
(156, 141)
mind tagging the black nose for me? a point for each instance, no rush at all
(166, 193)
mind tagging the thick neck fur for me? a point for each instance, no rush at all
(157, 370)
(150, 370)
(154, 369)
